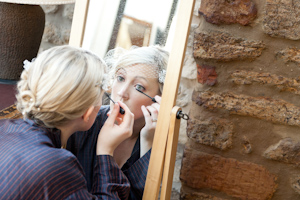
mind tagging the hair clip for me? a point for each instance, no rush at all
(26, 64)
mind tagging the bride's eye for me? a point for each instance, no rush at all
(120, 78)
(139, 87)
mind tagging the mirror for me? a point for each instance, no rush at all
(116, 26)
(123, 23)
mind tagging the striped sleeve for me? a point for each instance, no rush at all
(32, 168)
(110, 183)
(137, 174)
(109, 179)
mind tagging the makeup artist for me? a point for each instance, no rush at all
(137, 80)
(33, 161)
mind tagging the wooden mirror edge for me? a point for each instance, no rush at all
(79, 22)
(177, 54)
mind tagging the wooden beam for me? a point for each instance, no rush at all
(79, 22)
(170, 158)
(169, 96)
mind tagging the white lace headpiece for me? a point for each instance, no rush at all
(151, 60)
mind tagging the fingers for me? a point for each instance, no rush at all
(112, 134)
(156, 106)
(113, 114)
(126, 119)
(128, 116)
(158, 99)
(153, 111)
(147, 116)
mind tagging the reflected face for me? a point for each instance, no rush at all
(127, 80)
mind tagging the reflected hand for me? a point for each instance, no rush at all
(147, 132)
(112, 134)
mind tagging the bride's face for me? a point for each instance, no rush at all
(127, 80)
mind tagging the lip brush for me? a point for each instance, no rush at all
(122, 111)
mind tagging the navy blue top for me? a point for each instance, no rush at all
(83, 146)
(33, 166)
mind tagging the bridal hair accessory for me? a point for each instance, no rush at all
(105, 83)
(150, 61)
(162, 76)
(27, 64)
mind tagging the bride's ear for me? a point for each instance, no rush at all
(87, 114)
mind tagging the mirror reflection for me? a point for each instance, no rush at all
(137, 75)
(123, 23)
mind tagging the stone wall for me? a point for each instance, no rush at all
(57, 26)
(244, 128)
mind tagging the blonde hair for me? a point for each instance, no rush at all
(152, 56)
(60, 85)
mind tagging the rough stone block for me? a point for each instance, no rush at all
(295, 183)
(223, 47)
(290, 55)
(50, 9)
(198, 196)
(189, 70)
(212, 132)
(282, 19)
(244, 77)
(69, 11)
(247, 145)
(206, 74)
(55, 35)
(243, 180)
(228, 12)
(276, 111)
(286, 150)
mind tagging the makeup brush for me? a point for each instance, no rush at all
(153, 99)
(122, 111)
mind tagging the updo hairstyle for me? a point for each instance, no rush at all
(60, 85)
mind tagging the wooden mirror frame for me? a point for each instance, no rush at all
(166, 134)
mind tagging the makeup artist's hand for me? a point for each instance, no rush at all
(112, 134)
(147, 132)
